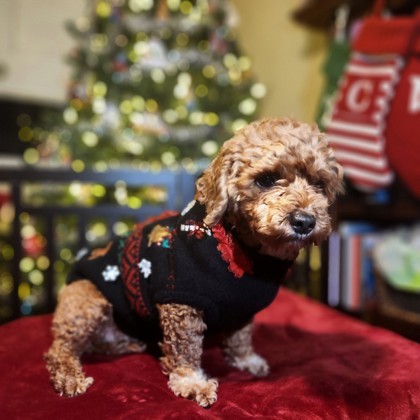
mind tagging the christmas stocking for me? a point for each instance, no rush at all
(356, 128)
(403, 124)
(366, 92)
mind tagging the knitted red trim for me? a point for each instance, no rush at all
(238, 262)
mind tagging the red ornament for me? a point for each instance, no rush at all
(34, 245)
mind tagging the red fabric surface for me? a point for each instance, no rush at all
(324, 365)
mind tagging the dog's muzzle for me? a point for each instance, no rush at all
(302, 223)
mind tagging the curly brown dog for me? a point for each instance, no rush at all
(209, 269)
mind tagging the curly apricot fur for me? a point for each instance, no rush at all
(307, 180)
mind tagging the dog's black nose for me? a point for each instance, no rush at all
(301, 222)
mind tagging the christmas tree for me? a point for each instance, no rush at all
(158, 83)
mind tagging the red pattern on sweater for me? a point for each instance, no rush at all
(129, 264)
(238, 261)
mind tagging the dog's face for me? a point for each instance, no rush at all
(274, 181)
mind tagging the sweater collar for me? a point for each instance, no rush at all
(196, 211)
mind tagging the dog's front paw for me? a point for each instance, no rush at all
(66, 373)
(71, 386)
(193, 384)
(253, 363)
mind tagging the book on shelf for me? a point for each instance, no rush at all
(350, 267)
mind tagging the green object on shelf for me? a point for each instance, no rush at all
(397, 258)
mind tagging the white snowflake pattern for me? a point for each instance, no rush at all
(111, 273)
(145, 267)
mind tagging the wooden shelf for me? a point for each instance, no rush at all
(391, 213)
(406, 328)
(394, 209)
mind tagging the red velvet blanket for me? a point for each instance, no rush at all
(323, 366)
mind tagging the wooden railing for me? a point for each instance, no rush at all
(178, 187)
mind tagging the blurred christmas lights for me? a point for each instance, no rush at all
(178, 60)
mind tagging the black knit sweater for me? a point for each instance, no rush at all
(178, 259)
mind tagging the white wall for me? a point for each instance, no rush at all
(286, 57)
(33, 46)
(34, 43)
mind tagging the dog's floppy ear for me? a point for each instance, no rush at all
(212, 188)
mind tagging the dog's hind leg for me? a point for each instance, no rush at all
(240, 352)
(111, 340)
(80, 313)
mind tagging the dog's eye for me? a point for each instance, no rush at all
(266, 180)
(319, 184)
